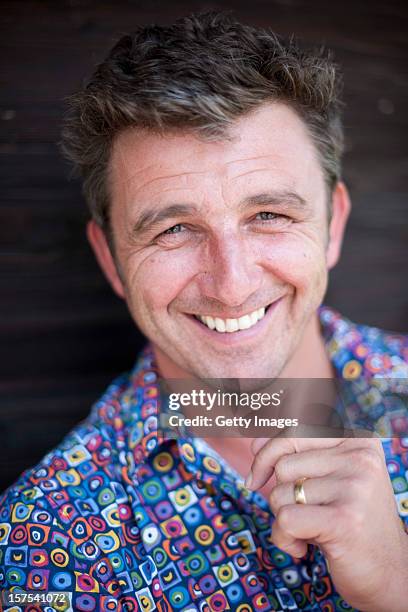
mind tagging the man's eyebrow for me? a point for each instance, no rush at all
(153, 217)
(277, 198)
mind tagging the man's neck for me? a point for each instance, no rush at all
(310, 360)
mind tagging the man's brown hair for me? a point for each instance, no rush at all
(199, 74)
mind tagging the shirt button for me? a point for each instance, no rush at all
(208, 486)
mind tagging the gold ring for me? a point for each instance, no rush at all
(300, 497)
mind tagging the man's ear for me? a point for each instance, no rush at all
(341, 207)
(100, 247)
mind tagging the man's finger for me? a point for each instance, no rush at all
(265, 460)
(307, 464)
(317, 491)
(308, 522)
(284, 541)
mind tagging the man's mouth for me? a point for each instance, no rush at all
(233, 325)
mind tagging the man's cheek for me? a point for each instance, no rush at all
(174, 265)
(153, 300)
(295, 263)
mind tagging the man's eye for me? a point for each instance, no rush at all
(268, 221)
(175, 229)
(268, 216)
(174, 235)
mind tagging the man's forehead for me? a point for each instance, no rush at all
(273, 138)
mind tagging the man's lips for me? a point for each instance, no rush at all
(233, 324)
(250, 328)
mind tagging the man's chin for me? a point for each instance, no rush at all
(249, 374)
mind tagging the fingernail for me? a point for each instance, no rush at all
(248, 480)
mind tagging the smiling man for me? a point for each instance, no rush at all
(210, 154)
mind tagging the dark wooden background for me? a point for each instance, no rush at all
(64, 335)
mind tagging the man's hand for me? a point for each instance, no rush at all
(350, 513)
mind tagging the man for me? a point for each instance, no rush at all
(210, 154)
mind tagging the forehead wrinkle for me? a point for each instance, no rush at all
(240, 172)
(248, 159)
(240, 175)
(180, 175)
(123, 159)
(170, 189)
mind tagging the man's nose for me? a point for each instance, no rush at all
(232, 272)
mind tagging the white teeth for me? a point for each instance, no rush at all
(220, 325)
(245, 322)
(254, 317)
(209, 322)
(233, 325)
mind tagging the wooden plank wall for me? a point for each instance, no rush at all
(64, 335)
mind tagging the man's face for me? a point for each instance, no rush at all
(230, 233)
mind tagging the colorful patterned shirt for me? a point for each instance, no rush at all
(122, 520)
